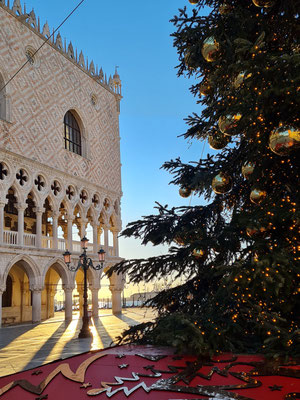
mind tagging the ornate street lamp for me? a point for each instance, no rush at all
(85, 262)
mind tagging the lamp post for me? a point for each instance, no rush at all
(85, 262)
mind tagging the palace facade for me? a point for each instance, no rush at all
(60, 171)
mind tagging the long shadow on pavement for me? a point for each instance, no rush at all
(10, 333)
(128, 320)
(107, 340)
(40, 356)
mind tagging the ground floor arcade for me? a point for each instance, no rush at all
(29, 284)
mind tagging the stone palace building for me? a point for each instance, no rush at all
(59, 168)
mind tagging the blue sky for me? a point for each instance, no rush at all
(135, 36)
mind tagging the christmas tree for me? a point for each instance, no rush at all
(237, 255)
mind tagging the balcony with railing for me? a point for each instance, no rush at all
(10, 239)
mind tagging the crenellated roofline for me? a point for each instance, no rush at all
(113, 84)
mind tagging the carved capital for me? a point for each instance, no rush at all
(95, 289)
(39, 210)
(55, 214)
(68, 288)
(21, 206)
(70, 218)
(116, 288)
(36, 288)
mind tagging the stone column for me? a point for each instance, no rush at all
(116, 298)
(105, 228)
(69, 241)
(68, 302)
(95, 304)
(24, 300)
(83, 223)
(21, 208)
(2, 205)
(116, 243)
(2, 290)
(39, 213)
(55, 216)
(36, 303)
(95, 237)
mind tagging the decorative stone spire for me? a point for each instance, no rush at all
(113, 83)
(46, 30)
(71, 51)
(117, 81)
(32, 20)
(58, 42)
(81, 61)
(17, 9)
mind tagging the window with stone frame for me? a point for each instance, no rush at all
(72, 134)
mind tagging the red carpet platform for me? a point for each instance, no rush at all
(145, 372)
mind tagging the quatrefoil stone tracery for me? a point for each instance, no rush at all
(70, 192)
(22, 177)
(95, 200)
(83, 196)
(40, 183)
(3, 171)
(55, 188)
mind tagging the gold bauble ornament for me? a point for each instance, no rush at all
(228, 123)
(178, 239)
(210, 49)
(263, 3)
(254, 231)
(194, 1)
(205, 88)
(284, 139)
(199, 253)
(240, 79)
(222, 183)
(247, 170)
(257, 195)
(190, 60)
(225, 9)
(218, 141)
(185, 192)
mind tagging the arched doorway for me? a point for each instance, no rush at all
(17, 298)
(56, 281)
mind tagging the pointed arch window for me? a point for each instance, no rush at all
(72, 134)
